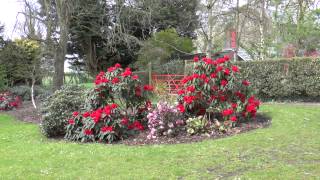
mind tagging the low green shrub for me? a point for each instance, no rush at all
(24, 92)
(198, 125)
(296, 78)
(58, 107)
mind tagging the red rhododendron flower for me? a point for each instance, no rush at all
(124, 121)
(115, 80)
(148, 88)
(114, 106)
(71, 121)
(226, 58)
(126, 73)
(219, 68)
(222, 98)
(235, 68)
(191, 88)
(105, 129)
(135, 77)
(107, 110)
(96, 115)
(234, 105)
(180, 92)
(220, 60)
(181, 108)
(76, 113)
(227, 112)
(233, 118)
(117, 65)
(227, 71)
(111, 69)
(136, 125)
(246, 82)
(189, 99)
(213, 75)
(196, 59)
(86, 114)
(223, 82)
(88, 132)
(251, 108)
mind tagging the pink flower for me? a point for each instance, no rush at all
(117, 65)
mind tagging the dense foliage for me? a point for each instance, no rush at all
(58, 107)
(216, 89)
(291, 79)
(164, 45)
(19, 59)
(115, 109)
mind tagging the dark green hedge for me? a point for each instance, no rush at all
(292, 79)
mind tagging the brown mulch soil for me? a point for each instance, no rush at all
(26, 113)
(261, 121)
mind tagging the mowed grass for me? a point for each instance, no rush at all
(289, 149)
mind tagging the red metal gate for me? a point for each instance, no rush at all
(171, 81)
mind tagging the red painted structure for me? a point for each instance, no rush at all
(172, 81)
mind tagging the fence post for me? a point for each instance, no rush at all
(150, 73)
(185, 67)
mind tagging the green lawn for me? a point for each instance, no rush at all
(289, 149)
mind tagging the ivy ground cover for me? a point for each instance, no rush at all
(289, 149)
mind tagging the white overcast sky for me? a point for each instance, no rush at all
(8, 13)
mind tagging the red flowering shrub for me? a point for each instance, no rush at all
(8, 101)
(116, 108)
(215, 85)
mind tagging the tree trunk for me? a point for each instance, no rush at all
(61, 49)
(261, 29)
(59, 61)
(210, 28)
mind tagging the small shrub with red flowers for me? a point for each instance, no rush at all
(215, 85)
(8, 101)
(116, 108)
(165, 120)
